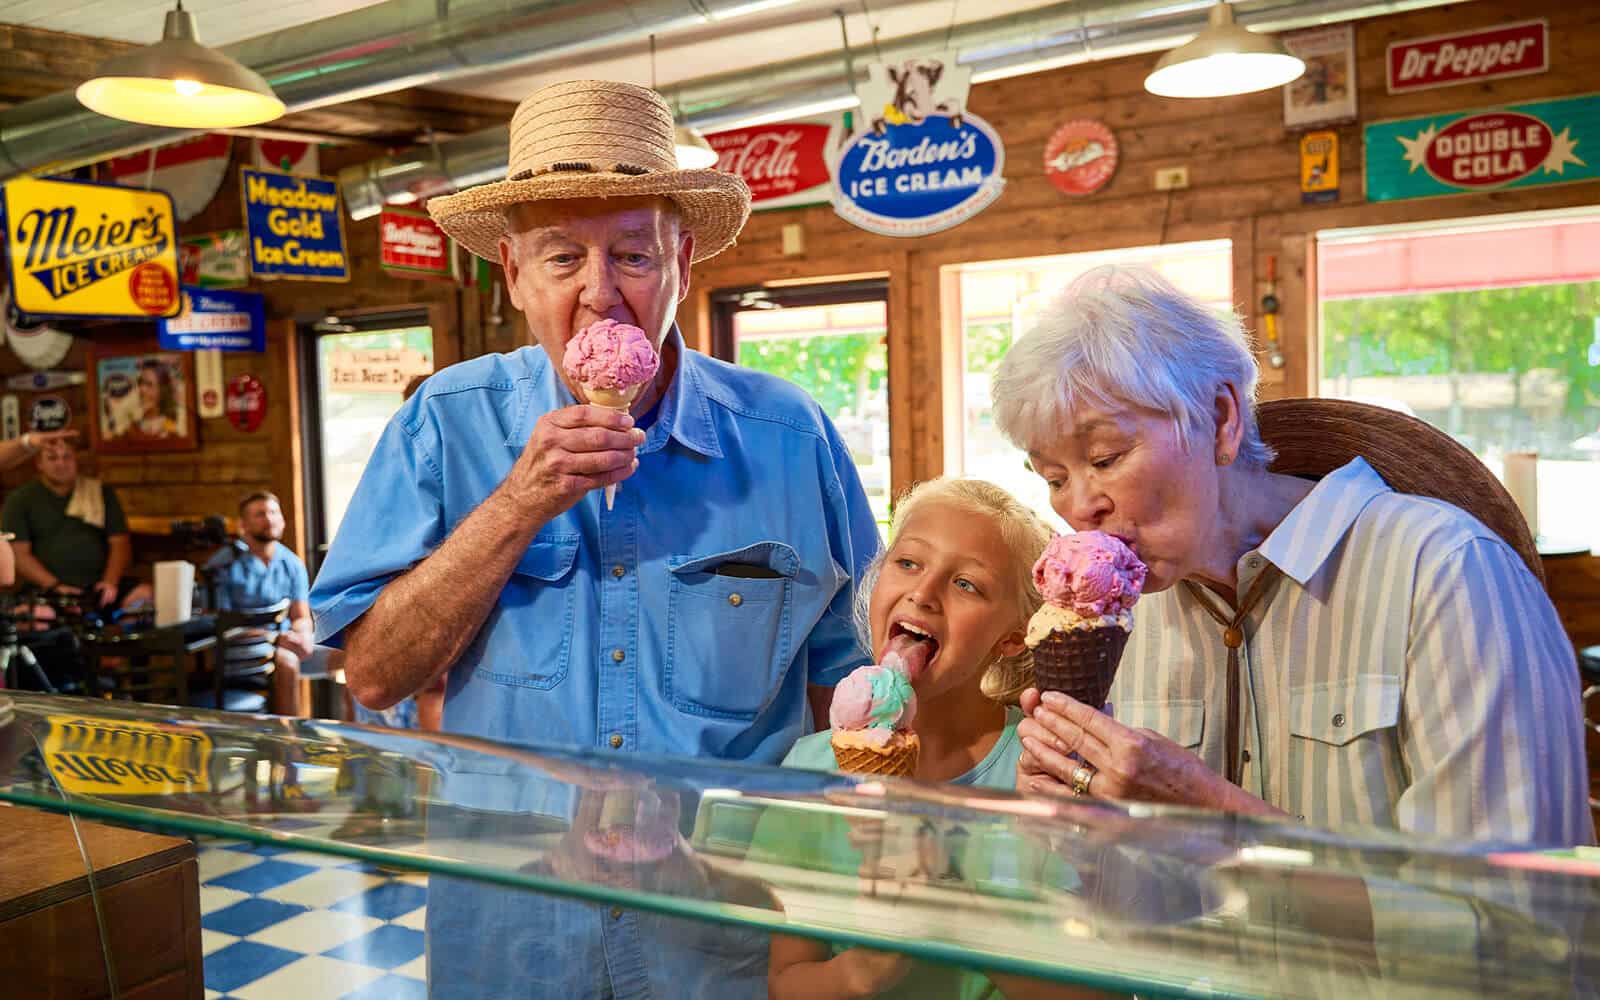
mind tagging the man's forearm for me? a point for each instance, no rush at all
(423, 620)
(34, 572)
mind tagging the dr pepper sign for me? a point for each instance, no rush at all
(89, 250)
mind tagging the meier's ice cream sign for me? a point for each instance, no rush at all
(1523, 145)
(917, 161)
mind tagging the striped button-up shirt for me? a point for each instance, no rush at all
(1406, 670)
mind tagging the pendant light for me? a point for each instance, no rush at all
(179, 83)
(1223, 60)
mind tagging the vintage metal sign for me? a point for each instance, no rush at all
(1081, 156)
(247, 403)
(294, 226)
(1468, 56)
(214, 260)
(413, 244)
(786, 164)
(90, 250)
(191, 170)
(1522, 145)
(919, 162)
(215, 319)
(89, 756)
(1319, 167)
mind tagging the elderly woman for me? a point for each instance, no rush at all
(1334, 651)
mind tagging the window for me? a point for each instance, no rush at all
(997, 302)
(361, 369)
(1487, 329)
(831, 341)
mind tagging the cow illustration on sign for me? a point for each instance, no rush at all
(910, 92)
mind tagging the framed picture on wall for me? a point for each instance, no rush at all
(1327, 92)
(141, 401)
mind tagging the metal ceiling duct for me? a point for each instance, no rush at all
(375, 50)
(1048, 37)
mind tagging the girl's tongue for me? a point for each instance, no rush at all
(913, 651)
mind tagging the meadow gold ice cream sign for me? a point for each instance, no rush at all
(79, 249)
(293, 226)
(1521, 145)
(95, 756)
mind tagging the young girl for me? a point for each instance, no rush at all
(952, 595)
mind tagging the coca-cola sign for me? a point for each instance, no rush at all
(247, 402)
(785, 164)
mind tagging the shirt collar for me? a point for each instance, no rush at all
(1304, 541)
(683, 413)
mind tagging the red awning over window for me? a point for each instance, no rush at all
(1459, 259)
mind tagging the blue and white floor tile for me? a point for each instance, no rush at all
(280, 923)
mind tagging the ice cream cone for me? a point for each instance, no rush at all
(612, 399)
(857, 755)
(1080, 663)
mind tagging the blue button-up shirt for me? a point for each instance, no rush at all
(241, 582)
(621, 627)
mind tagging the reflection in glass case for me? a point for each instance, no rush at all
(549, 867)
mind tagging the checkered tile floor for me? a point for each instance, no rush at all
(277, 923)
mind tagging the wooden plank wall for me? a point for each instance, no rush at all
(1244, 185)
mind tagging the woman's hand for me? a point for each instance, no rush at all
(1133, 764)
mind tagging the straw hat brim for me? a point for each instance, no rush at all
(714, 205)
(1313, 437)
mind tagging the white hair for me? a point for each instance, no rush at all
(1125, 335)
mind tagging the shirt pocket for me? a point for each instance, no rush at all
(1338, 713)
(728, 642)
(534, 649)
(1181, 720)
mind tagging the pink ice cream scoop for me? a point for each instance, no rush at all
(1090, 572)
(610, 355)
(876, 697)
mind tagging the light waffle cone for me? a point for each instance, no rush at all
(896, 759)
(615, 399)
(1080, 663)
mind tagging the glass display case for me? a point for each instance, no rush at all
(542, 862)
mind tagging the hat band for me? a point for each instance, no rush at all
(630, 169)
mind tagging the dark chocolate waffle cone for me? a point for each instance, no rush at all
(1080, 663)
(896, 760)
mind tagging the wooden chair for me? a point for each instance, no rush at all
(149, 665)
(1313, 437)
(240, 684)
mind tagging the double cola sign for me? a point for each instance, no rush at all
(784, 164)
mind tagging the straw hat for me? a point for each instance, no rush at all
(596, 139)
(1315, 436)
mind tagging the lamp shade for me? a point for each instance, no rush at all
(179, 83)
(694, 153)
(1223, 60)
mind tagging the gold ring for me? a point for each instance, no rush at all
(1081, 778)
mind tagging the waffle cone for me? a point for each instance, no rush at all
(1080, 663)
(896, 759)
(615, 399)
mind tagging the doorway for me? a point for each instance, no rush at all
(354, 371)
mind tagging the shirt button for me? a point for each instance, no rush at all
(735, 600)
(616, 913)
(618, 655)
(618, 571)
(616, 741)
(1338, 719)
(1246, 756)
(1254, 562)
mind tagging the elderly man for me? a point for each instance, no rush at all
(688, 620)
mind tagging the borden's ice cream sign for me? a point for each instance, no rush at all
(918, 162)
(78, 249)
(412, 243)
(1524, 145)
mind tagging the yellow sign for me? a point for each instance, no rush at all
(93, 756)
(1319, 167)
(79, 249)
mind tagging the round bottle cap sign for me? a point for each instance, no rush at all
(1081, 157)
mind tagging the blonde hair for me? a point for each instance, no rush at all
(1025, 537)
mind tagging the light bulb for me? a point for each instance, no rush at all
(188, 88)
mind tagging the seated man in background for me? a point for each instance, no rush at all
(71, 533)
(257, 571)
